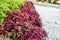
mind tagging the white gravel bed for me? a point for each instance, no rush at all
(52, 29)
(51, 21)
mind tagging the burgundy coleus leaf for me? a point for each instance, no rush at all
(29, 5)
(26, 17)
(34, 12)
(23, 9)
(16, 13)
(2, 31)
(33, 38)
(39, 24)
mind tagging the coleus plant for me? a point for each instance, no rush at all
(23, 24)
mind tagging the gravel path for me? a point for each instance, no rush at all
(51, 21)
